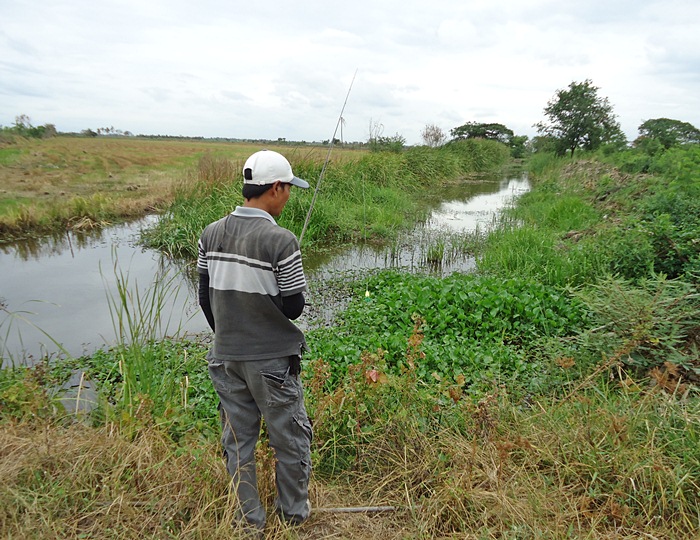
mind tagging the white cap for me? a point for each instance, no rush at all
(267, 167)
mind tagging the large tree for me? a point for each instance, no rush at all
(667, 132)
(493, 131)
(580, 118)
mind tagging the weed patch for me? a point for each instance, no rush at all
(478, 327)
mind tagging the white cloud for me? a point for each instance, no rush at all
(281, 69)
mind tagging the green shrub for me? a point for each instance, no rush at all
(680, 165)
(672, 221)
(645, 324)
(394, 143)
(29, 392)
(628, 250)
(478, 155)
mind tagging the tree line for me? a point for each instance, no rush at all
(577, 118)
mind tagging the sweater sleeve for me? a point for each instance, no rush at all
(204, 302)
(293, 305)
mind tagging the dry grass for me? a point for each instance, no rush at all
(74, 481)
(78, 482)
(546, 472)
(83, 166)
(49, 183)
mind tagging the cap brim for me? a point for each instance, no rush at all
(298, 182)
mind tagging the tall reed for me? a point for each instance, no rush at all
(142, 318)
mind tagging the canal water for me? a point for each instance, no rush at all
(57, 296)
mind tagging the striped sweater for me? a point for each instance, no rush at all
(252, 263)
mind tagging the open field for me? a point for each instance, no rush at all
(60, 182)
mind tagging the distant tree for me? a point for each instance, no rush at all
(23, 122)
(518, 146)
(375, 131)
(579, 118)
(543, 143)
(667, 133)
(433, 136)
(88, 133)
(379, 143)
(492, 131)
(49, 131)
(23, 127)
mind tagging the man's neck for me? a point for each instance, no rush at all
(258, 203)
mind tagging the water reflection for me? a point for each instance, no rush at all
(469, 213)
(59, 291)
(466, 209)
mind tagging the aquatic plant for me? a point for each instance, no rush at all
(480, 327)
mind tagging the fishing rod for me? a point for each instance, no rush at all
(325, 163)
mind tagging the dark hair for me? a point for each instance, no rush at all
(252, 191)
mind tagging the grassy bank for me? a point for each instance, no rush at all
(78, 182)
(362, 195)
(551, 394)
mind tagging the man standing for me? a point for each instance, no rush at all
(251, 287)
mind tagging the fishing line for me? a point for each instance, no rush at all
(325, 163)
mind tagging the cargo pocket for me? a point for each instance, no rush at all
(303, 435)
(303, 431)
(280, 388)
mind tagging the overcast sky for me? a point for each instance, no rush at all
(227, 68)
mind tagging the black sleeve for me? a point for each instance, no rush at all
(293, 305)
(204, 299)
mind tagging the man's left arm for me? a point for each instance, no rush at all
(293, 305)
(291, 281)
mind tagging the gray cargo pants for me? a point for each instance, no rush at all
(248, 390)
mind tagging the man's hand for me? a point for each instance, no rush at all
(294, 365)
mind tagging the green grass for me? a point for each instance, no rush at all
(9, 155)
(13, 205)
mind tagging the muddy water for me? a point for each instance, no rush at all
(55, 295)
